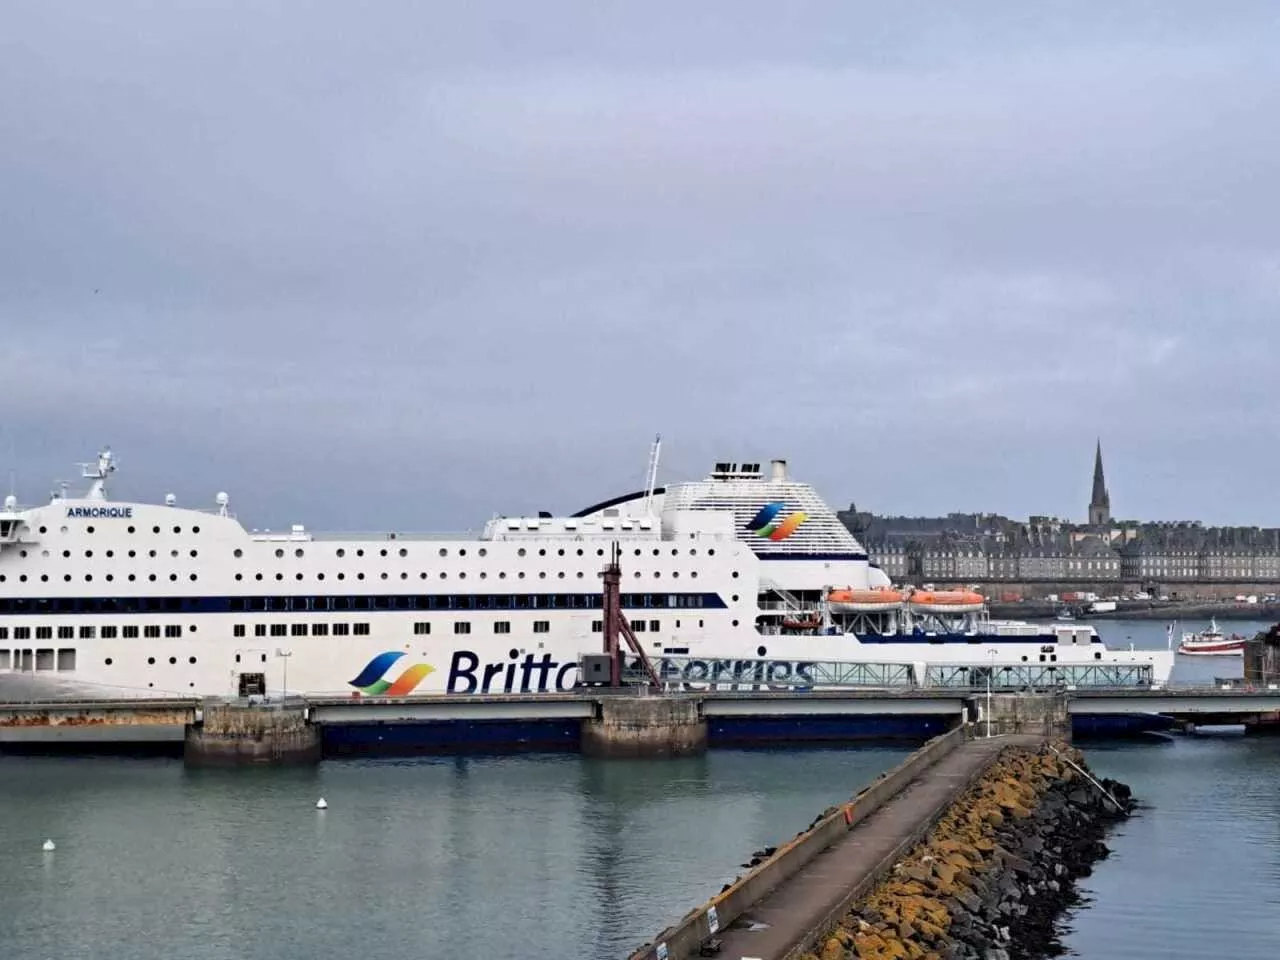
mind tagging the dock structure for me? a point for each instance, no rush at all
(782, 905)
(616, 723)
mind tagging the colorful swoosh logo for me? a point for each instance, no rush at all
(372, 681)
(765, 522)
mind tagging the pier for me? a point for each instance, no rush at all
(612, 723)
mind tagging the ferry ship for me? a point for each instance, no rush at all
(105, 598)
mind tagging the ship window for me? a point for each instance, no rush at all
(4, 633)
(541, 626)
(654, 625)
(638, 627)
(193, 659)
(360, 553)
(421, 628)
(341, 629)
(298, 630)
(238, 630)
(4, 659)
(22, 633)
(502, 626)
(44, 633)
(319, 629)
(151, 631)
(259, 629)
(462, 626)
(360, 629)
(177, 529)
(597, 626)
(172, 661)
(129, 633)
(296, 553)
(66, 633)
(44, 660)
(279, 629)
(151, 661)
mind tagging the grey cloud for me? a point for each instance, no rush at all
(417, 265)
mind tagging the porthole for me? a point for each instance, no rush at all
(44, 578)
(151, 553)
(542, 552)
(191, 660)
(760, 651)
(384, 575)
(735, 623)
(319, 576)
(297, 576)
(151, 661)
(637, 551)
(360, 576)
(279, 576)
(462, 552)
(404, 552)
(462, 576)
(177, 529)
(520, 552)
(279, 552)
(693, 573)
(382, 552)
(22, 577)
(192, 578)
(155, 529)
(341, 552)
(502, 574)
(561, 574)
(422, 575)
(22, 553)
(239, 576)
(112, 553)
(711, 551)
(444, 552)
(132, 577)
(520, 575)
(656, 551)
(342, 576)
(693, 552)
(88, 578)
(257, 576)
(542, 574)
(483, 575)
(44, 530)
(675, 552)
(296, 553)
(107, 661)
(110, 577)
(579, 574)
(237, 552)
(66, 553)
(675, 573)
(484, 552)
(656, 574)
(579, 551)
(404, 576)
(600, 552)
(89, 529)
(173, 554)
(66, 577)
(173, 661)
(360, 552)
(195, 529)
(133, 553)
(560, 552)
(131, 530)
(734, 598)
(442, 574)
(735, 574)
(173, 576)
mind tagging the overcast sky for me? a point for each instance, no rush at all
(412, 264)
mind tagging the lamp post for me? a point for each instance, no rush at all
(285, 655)
(990, 670)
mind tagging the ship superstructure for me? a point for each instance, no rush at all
(125, 598)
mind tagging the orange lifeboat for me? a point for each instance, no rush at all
(864, 601)
(947, 601)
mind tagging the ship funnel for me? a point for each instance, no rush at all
(778, 470)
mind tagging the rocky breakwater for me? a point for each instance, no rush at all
(995, 872)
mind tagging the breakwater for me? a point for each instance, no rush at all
(994, 874)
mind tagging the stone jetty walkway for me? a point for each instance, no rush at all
(770, 929)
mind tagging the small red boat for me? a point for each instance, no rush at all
(1211, 643)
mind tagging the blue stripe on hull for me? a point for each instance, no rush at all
(450, 737)
(760, 731)
(1115, 725)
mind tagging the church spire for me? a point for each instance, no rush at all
(1100, 502)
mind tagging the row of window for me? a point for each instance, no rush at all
(110, 632)
(302, 629)
(28, 660)
(240, 577)
(131, 529)
(284, 604)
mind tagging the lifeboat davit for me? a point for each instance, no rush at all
(947, 601)
(864, 601)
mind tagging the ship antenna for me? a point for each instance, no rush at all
(654, 453)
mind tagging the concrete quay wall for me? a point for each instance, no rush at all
(233, 735)
(684, 939)
(667, 726)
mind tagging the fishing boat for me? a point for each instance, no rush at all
(1211, 643)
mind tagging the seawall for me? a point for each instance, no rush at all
(994, 873)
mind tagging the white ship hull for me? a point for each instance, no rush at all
(120, 599)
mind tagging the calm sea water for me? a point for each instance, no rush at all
(560, 856)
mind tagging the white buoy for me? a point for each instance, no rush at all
(50, 846)
(321, 805)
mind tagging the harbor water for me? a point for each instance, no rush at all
(562, 856)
